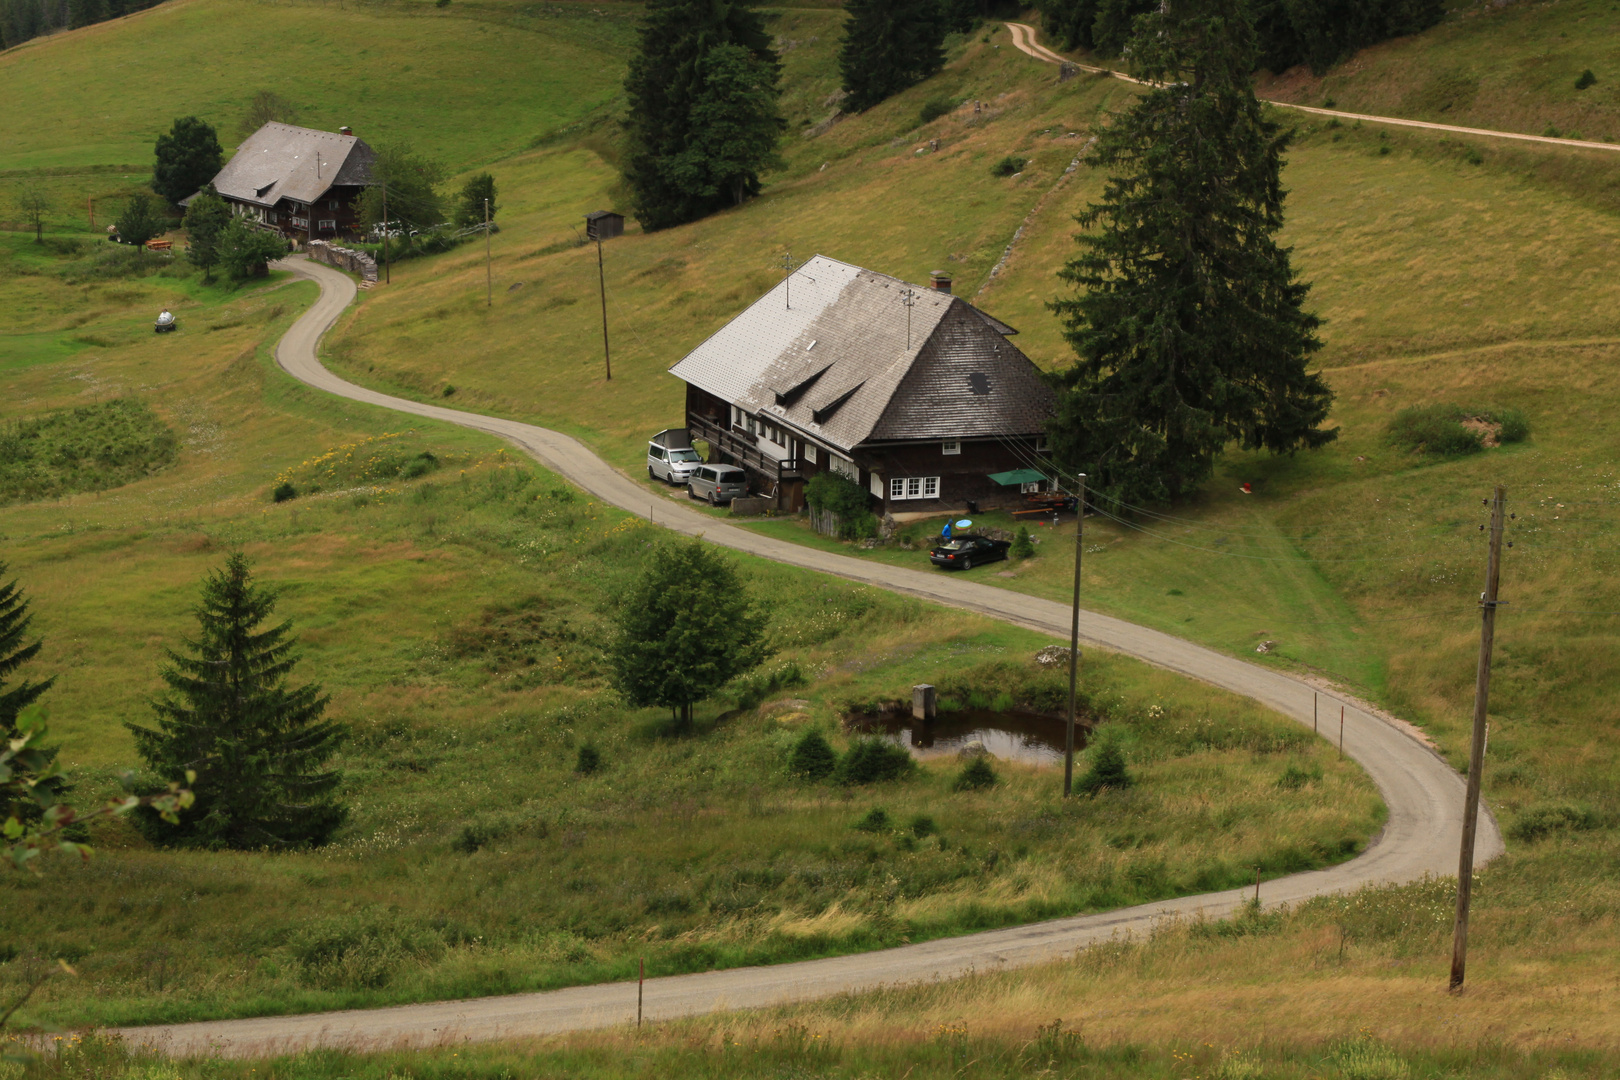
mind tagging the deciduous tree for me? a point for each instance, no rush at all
(246, 252)
(139, 221)
(33, 204)
(1190, 325)
(188, 157)
(410, 183)
(257, 746)
(470, 203)
(890, 45)
(266, 106)
(685, 629)
(677, 170)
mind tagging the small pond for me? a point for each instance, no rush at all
(1030, 738)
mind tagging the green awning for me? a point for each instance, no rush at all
(1017, 476)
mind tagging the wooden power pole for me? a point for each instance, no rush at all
(1074, 636)
(489, 280)
(601, 281)
(388, 266)
(1476, 748)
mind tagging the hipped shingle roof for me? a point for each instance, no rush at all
(280, 161)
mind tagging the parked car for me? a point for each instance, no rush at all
(961, 552)
(671, 464)
(717, 483)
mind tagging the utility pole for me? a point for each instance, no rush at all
(1074, 636)
(601, 280)
(908, 298)
(1476, 747)
(787, 278)
(388, 266)
(489, 280)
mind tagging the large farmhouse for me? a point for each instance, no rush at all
(911, 392)
(299, 181)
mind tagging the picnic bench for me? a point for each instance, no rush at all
(159, 245)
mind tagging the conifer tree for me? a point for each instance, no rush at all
(188, 157)
(704, 120)
(685, 629)
(888, 46)
(1190, 326)
(206, 220)
(139, 222)
(258, 747)
(15, 651)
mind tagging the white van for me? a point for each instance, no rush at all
(671, 464)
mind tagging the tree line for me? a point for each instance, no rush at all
(21, 20)
(1287, 32)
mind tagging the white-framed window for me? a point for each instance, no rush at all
(326, 225)
(844, 467)
(810, 453)
(1031, 488)
(950, 446)
(913, 487)
(876, 485)
(300, 223)
(1041, 445)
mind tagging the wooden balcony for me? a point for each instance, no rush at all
(741, 448)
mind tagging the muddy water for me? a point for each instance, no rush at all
(1030, 738)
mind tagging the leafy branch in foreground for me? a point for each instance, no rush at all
(30, 776)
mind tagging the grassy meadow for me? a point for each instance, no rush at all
(453, 600)
(480, 861)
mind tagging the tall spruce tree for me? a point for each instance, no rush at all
(1190, 326)
(889, 45)
(703, 124)
(15, 651)
(206, 220)
(258, 747)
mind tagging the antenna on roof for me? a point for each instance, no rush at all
(908, 298)
(787, 277)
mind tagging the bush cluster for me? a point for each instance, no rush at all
(90, 448)
(1439, 430)
(1009, 166)
(869, 761)
(1540, 821)
(830, 493)
(935, 107)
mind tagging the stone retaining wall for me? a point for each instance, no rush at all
(356, 262)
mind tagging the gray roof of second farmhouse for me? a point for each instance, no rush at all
(280, 161)
(826, 352)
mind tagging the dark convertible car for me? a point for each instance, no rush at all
(961, 552)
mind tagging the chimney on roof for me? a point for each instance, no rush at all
(345, 130)
(940, 281)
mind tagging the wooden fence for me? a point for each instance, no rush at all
(824, 521)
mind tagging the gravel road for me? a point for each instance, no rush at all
(1424, 795)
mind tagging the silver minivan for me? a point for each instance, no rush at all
(717, 483)
(671, 464)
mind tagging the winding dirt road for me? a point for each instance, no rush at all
(1423, 794)
(1023, 39)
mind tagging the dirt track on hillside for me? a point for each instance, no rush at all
(1423, 794)
(1024, 40)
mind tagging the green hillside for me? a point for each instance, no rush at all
(1448, 272)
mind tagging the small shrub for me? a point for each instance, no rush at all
(872, 761)
(284, 492)
(1515, 428)
(1538, 822)
(1433, 429)
(1009, 166)
(420, 465)
(1552, 132)
(1473, 156)
(1023, 545)
(1294, 777)
(1383, 149)
(1107, 770)
(1365, 1059)
(922, 827)
(589, 760)
(475, 835)
(975, 776)
(934, 108)
(1329, 103)
(1586, 79)
(448, 391)
(813, 758)
(876, 820)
